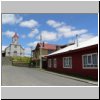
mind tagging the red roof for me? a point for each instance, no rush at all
(48, 46)
(15, 35)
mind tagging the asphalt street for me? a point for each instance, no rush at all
(23, 76)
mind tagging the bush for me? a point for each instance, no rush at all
(21, 59)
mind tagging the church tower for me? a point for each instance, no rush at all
(14, 49)
(15, 39)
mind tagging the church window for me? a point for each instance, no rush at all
(8, 52)
(15, 46)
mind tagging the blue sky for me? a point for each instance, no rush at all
(55, 28)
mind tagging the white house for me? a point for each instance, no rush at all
(14, 49)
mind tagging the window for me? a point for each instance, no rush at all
(15, 53)
(95, 59)
(67, 62)
(50, 51)
(8, 52)
(49, 63)
(90, 60)
(15, 46)
(54, 63)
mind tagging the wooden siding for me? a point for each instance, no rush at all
(77, 67)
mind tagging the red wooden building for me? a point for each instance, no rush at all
(80, 60)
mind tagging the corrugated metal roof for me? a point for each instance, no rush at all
(90, 42)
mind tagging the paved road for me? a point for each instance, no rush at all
(22, 76)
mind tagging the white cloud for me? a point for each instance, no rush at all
(23, 36)
(54, 24)
(3, 47)
(8, 33)
(29, 24)
(27, 51)
(81, 31)
(33, 33)
(85, 37)
(74, 32)
(33, 44)
(69, 31)
(81, 38)
(64, 30)
(48, 36)
(11, 19)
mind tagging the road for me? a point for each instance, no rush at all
(22, 76)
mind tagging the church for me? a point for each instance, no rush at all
(14, 49)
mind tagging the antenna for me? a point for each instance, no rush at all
(40, 38)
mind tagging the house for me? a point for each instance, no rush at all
(78, 59)
(14, 49)
(45, 50)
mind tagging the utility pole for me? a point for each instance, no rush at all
(31, 57)
(40, 51)
(31, 51)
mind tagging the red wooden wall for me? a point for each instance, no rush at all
(77, 67)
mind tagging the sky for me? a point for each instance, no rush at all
(57, 29)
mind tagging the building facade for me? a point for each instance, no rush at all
(81, 61)
(41, 50)
(14, 49)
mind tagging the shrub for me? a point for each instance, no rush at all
(21, 59)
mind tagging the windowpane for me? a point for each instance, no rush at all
(67, 62)
(85, 60)
(70, 61)
(15, 46)
(95, 59)
(54, 63)
(89, 59)
(64, 61)
(49, 63)
(50, 51)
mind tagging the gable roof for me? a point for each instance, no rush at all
(47, 46)
(90, 42)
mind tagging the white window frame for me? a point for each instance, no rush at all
(87, 61)
(71, 62)
(55, 63)
(49, 63)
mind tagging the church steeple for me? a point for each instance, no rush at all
(15, 39)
